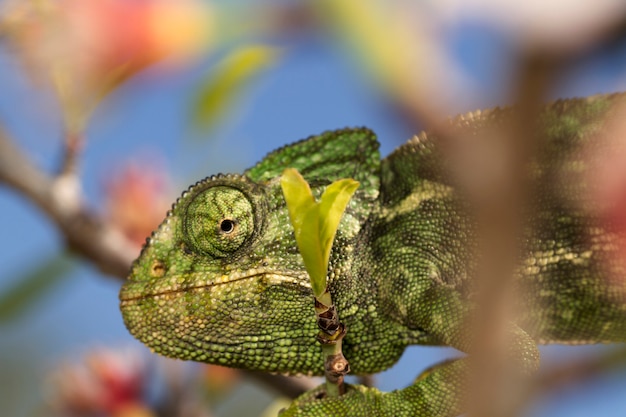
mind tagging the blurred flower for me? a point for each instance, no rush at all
(137, 199)
(86, 48)
(107, 383)
(606, 172)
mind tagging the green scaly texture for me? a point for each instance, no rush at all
(221, 280)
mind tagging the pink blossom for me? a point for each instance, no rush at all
(137, 199)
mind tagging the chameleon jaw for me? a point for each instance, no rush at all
(228, 320)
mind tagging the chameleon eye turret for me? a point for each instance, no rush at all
(208, 285)
(218, 221)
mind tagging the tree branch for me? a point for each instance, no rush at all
(85, 233)
(88, 235)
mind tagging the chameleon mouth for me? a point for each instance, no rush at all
(130, 292)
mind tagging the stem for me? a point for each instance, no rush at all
(74, 143)
(331, 334)
(335, 366)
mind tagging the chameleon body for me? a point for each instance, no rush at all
(221, 280)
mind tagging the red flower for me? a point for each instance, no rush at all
(606, 180)
(86, 48)
(107, 383)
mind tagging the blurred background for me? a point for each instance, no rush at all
(121, 104)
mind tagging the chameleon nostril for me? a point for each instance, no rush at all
(157, 269)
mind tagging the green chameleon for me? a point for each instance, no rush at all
(221, 280)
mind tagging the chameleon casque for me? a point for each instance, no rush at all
(221, 280)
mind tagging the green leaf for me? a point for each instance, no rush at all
(315, 224)
(312, 250)
(303, 212)
(298, 196)
(228, 80)
(333, 203)
(33, 285)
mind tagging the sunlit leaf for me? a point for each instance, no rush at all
(315, 224)
(333, 203)
(298, 196)
(304, 215)
(227, 81)
(388, 44)
(33, 285)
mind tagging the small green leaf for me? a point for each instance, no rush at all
(33, 285)
(304, 215)
(311, 250)
(315, 224)
(227, 81)
(333, 203)
(298, 196)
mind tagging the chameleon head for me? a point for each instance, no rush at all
(221, 280)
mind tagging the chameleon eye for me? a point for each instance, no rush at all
(218, 221)
(227, 226)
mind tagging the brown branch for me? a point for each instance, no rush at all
(87, 234)
(498, 193)
(579, 370)
(570, 373)
(499, 199)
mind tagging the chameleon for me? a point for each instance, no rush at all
(221, 280)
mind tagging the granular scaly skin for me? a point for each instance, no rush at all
(221, 280)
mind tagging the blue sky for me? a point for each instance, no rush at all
(312, 89)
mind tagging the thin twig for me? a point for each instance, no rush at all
(330, 336)
(570, 373)
(74, 143)
(579, 370)
(290, 387)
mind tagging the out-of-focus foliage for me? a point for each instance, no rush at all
(83, 50)
(228, 80)
(106, 382)
(33, 284)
